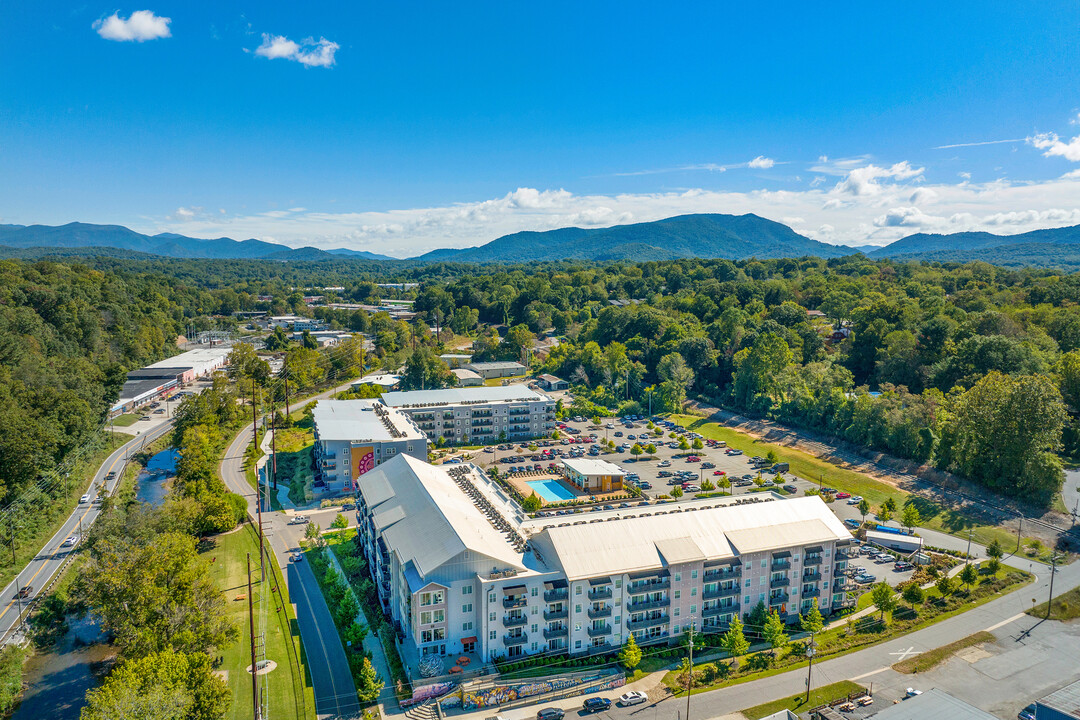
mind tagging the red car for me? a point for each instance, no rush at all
(693, 459)
(842, 495)
(719, 472)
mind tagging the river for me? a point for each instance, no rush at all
(151, 486)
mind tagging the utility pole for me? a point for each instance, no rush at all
(810, 650)
(273, 440)
(968, 553)
(251, 634)
(1018, 530)
(690, 671)
(1053, 572)
(258, 481)
(11, 525)
(285, 372)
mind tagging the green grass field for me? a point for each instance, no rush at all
(289, 691)
(126, 420)
(1066, 607)
(812, 468)
(797, 704)
(932, 658)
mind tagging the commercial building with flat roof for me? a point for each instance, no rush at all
(934, 704)
(551, 382)
(587, 474)
(461, 568)
(467, 378)
(478, 414)
(353, 437)
(489, 370)
(384, 381)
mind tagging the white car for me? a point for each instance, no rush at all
(71, 541)
(854, 500)
(634, 697)
(84, 499)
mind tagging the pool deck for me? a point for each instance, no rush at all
(521, 482)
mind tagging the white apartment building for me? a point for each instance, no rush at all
(353, 437)
(460, 568)
(478, 415)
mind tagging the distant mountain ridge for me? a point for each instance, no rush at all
(965, 242)
(734, 237)
(78, 235)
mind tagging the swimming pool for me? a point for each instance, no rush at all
(551, 490)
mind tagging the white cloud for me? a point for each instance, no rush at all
(1054, 146)
(1071, 175)
(183, 213)
(910, 217)
(140, 26)
(923, 195)
(862, 181)
(309, 52)
(761, 162)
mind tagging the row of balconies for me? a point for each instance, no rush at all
(638, 587)
(814, 559)
(648, 604)
(719, 610)
(720, 592)
(648, 622)
(715, 575)
(600, 593)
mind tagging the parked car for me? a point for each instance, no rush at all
(691, 488)
(790, 488)
(298, 520)
(634, 697)
(708, 465)
(551, 713)
(733, 451)
(595, 704)
(853, 524)
(854, 500)
(843, 496)
(903, 566)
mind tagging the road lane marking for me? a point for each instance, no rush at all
(906, 653)
(872, 672)
(992, 628)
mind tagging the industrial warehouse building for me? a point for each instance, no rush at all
(461, 568)
(166, 376)
(478, 414)
(489, 370)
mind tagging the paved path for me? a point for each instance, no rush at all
(41, 569)
(335, 692)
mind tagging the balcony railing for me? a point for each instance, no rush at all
(720, 592)
(599, 630)
(839, 583)
(515, 620)
(600, 612)
(813, 593)
(719, 610)
(714, 575)
(556, 614)
(778, 565)
(648, 605)
(638, 587)
(555, 632)
(811, 576)
(556, 594)
(511, 601)
(648, 622)
(812, 560)
(779, 599)
(600, 593)
(779, 582)
(521, 639)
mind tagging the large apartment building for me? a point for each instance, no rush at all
(460, 568)
(478, 414)
(353, 437)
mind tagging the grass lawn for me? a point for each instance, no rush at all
(126, 420)
(1066, 607)
(932, 658)
(492, 382)
(290, 692)
(820, 696)
(812, 468)
(40, 523)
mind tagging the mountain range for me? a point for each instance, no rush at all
(684, 236)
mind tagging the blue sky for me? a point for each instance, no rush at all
(399, 127)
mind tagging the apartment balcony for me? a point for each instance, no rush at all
(779, 599)
(778, 565)
(812, 560)
(555, 632)
(423, 417)
(718, 575)
(638, 587)
(601, 612)
(480, 414)
(812, 593)
(780, 582)
(519, 428)
(843, 553)
(602, 649)
(648, 622)
(448, 416)
(556, 614)
(481, 431)
(720, 592)
(512, 601)
(811, 576)
(720, 610)
(648, 605)
(328, 456)
(480, 423)
(521, 639)
(515, 620)
(848, 601)
(599, 630)
(556, 594)
(840, 584)
(448, 426)
(600, 593)
(517, 411)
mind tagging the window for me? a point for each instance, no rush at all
(678, 577)
(425, 617)
(748, 581)
(425, 599)
(746, 600)
(389, 451)
(466, 627)
(534, 609)
(491, 617)
(678, 594)
(577, 608)
(439, 633)
(761, 581)
(492, 635)
(675, 630)
(533, 647)
(534, 592)
(408, 448)
(763, 562)
(438, 616)
(577, 644)
(577, 589)
(467, 590)
(466, 608)
(693, 592)
(618, 584)
(532, 629)
(425, 636)
(491, 596)
(693, 609)
(676, 613)
(693, 574)
(618, 619)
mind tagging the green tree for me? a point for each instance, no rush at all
(813, 622)
(723, 482)
(969, 575)
(884, 514)
(313, 533)
(913, 594)
(636, 450)
(630, 654)
(651, 449)
(370, 684)
(774, 632)
(734, 641)
(889, 504)
(883, 598)
(532, 503)
(945, 585)
(683, 444)
(697, 444)
(164, 685)
(308, 341)
(707, 485)
(340, 522)
(864, 508)
(910, 517)
(772, 457)
(676, 492)
(994, 550)
(759, 480)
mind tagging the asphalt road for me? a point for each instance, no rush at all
(335, 692)
(50, 558)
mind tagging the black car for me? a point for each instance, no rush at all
(551, 713)
(596, 704)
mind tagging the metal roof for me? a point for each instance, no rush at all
(588, 466)
(1066, 700)
(464, 396)
(497, 365)
(357, 421)
(932, 704)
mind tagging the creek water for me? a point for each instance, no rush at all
(152, 485)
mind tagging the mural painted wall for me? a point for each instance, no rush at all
(500, 694)
(362, 459)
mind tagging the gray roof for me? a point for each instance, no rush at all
(497, 365)
(588, 466)
(1066, 700)
(933, 704)
(357, 420)
(428, 519)
(464, 396)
